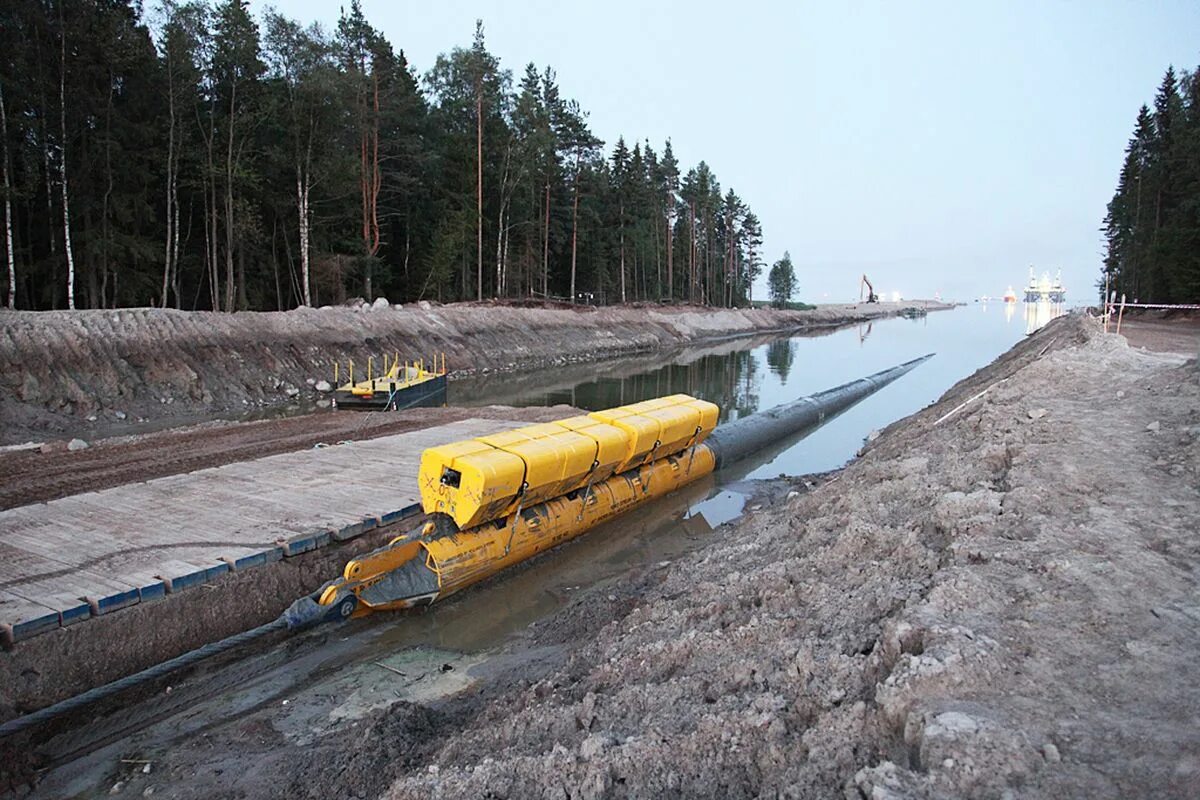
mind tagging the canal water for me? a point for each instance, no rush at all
(747, 376)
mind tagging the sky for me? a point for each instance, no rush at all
(936, 147)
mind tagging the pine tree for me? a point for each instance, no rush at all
(782, 281)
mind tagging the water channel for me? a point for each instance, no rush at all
(744, 376)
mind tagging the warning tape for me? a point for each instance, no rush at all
(1156, 305)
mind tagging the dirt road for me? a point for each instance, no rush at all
(1179, 334)
(997, 600)
(34, 476)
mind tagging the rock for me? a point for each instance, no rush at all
(1120, 394)
(324, 402)
(310, 381)
(585, 715)
(593, 746)
(323, 386)
(380, 303)
(873, 435)
(92, 418)
(1154, 427)
(146, 769)
(119, 414)
(77, 444)
(951, 724)
(291, 391)
(117, 787)
(424, 305)
(1037, 413)
(792, 494)
(1050, 752)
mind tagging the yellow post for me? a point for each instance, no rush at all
(351, 362)
(336, 364)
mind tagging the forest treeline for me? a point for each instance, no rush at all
(1152, 229)
(197, 157)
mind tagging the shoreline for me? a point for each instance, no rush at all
(130, 367)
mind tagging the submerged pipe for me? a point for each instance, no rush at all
(408, 573)
(415, 572)
(735, 440)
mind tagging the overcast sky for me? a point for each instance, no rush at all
(938, 147)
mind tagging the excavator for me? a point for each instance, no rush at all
(867, 291)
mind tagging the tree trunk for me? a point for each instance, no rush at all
(8, 227)
(302, 190)
(621, 211)
(479, 188)
(171, 214)
(670, 249)
(692, 252)
(499, 291)
(546, 247)
(62, 166)
(229, 220)
(108, 190)
(574, 227)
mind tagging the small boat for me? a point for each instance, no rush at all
(1010, 296)
(400, 386)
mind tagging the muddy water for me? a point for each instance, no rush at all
(745, 377)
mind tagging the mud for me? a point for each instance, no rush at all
(133, 367)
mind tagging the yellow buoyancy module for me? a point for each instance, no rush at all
(418, 572)
(484, 479)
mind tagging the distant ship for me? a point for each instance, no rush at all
(1044, 290)
(1010, 296)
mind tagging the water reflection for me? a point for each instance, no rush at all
(746, 375)
(1039, 313)
(780, 355)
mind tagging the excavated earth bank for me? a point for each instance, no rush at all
(997, 600)
(130, 366)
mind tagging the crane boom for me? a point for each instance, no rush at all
(869, 294)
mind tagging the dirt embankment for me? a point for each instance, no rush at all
(1002, 604)
(57, 369)
(998, 600)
